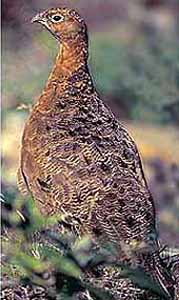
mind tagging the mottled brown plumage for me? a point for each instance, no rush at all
(77, 159)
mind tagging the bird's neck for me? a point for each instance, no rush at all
(70, 58)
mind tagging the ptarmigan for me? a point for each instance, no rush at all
(77, 159)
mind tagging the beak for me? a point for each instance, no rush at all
(37, 19)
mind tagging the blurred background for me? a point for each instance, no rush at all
(134, 59)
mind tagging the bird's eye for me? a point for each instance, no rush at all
(57, 18)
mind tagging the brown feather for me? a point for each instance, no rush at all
(79, 159)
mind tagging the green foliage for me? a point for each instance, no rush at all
(57, 260)
(142, 75)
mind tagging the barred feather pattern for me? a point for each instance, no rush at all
(79, 160)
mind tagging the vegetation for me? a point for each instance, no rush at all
(141, 75)
(57, 262)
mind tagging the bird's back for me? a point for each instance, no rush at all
(77, 159)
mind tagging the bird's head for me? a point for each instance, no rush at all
(65, 24)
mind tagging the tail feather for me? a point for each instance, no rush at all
(164, 278)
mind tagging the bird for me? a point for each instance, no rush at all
(77, 159)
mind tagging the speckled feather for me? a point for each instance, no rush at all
(77, 159)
